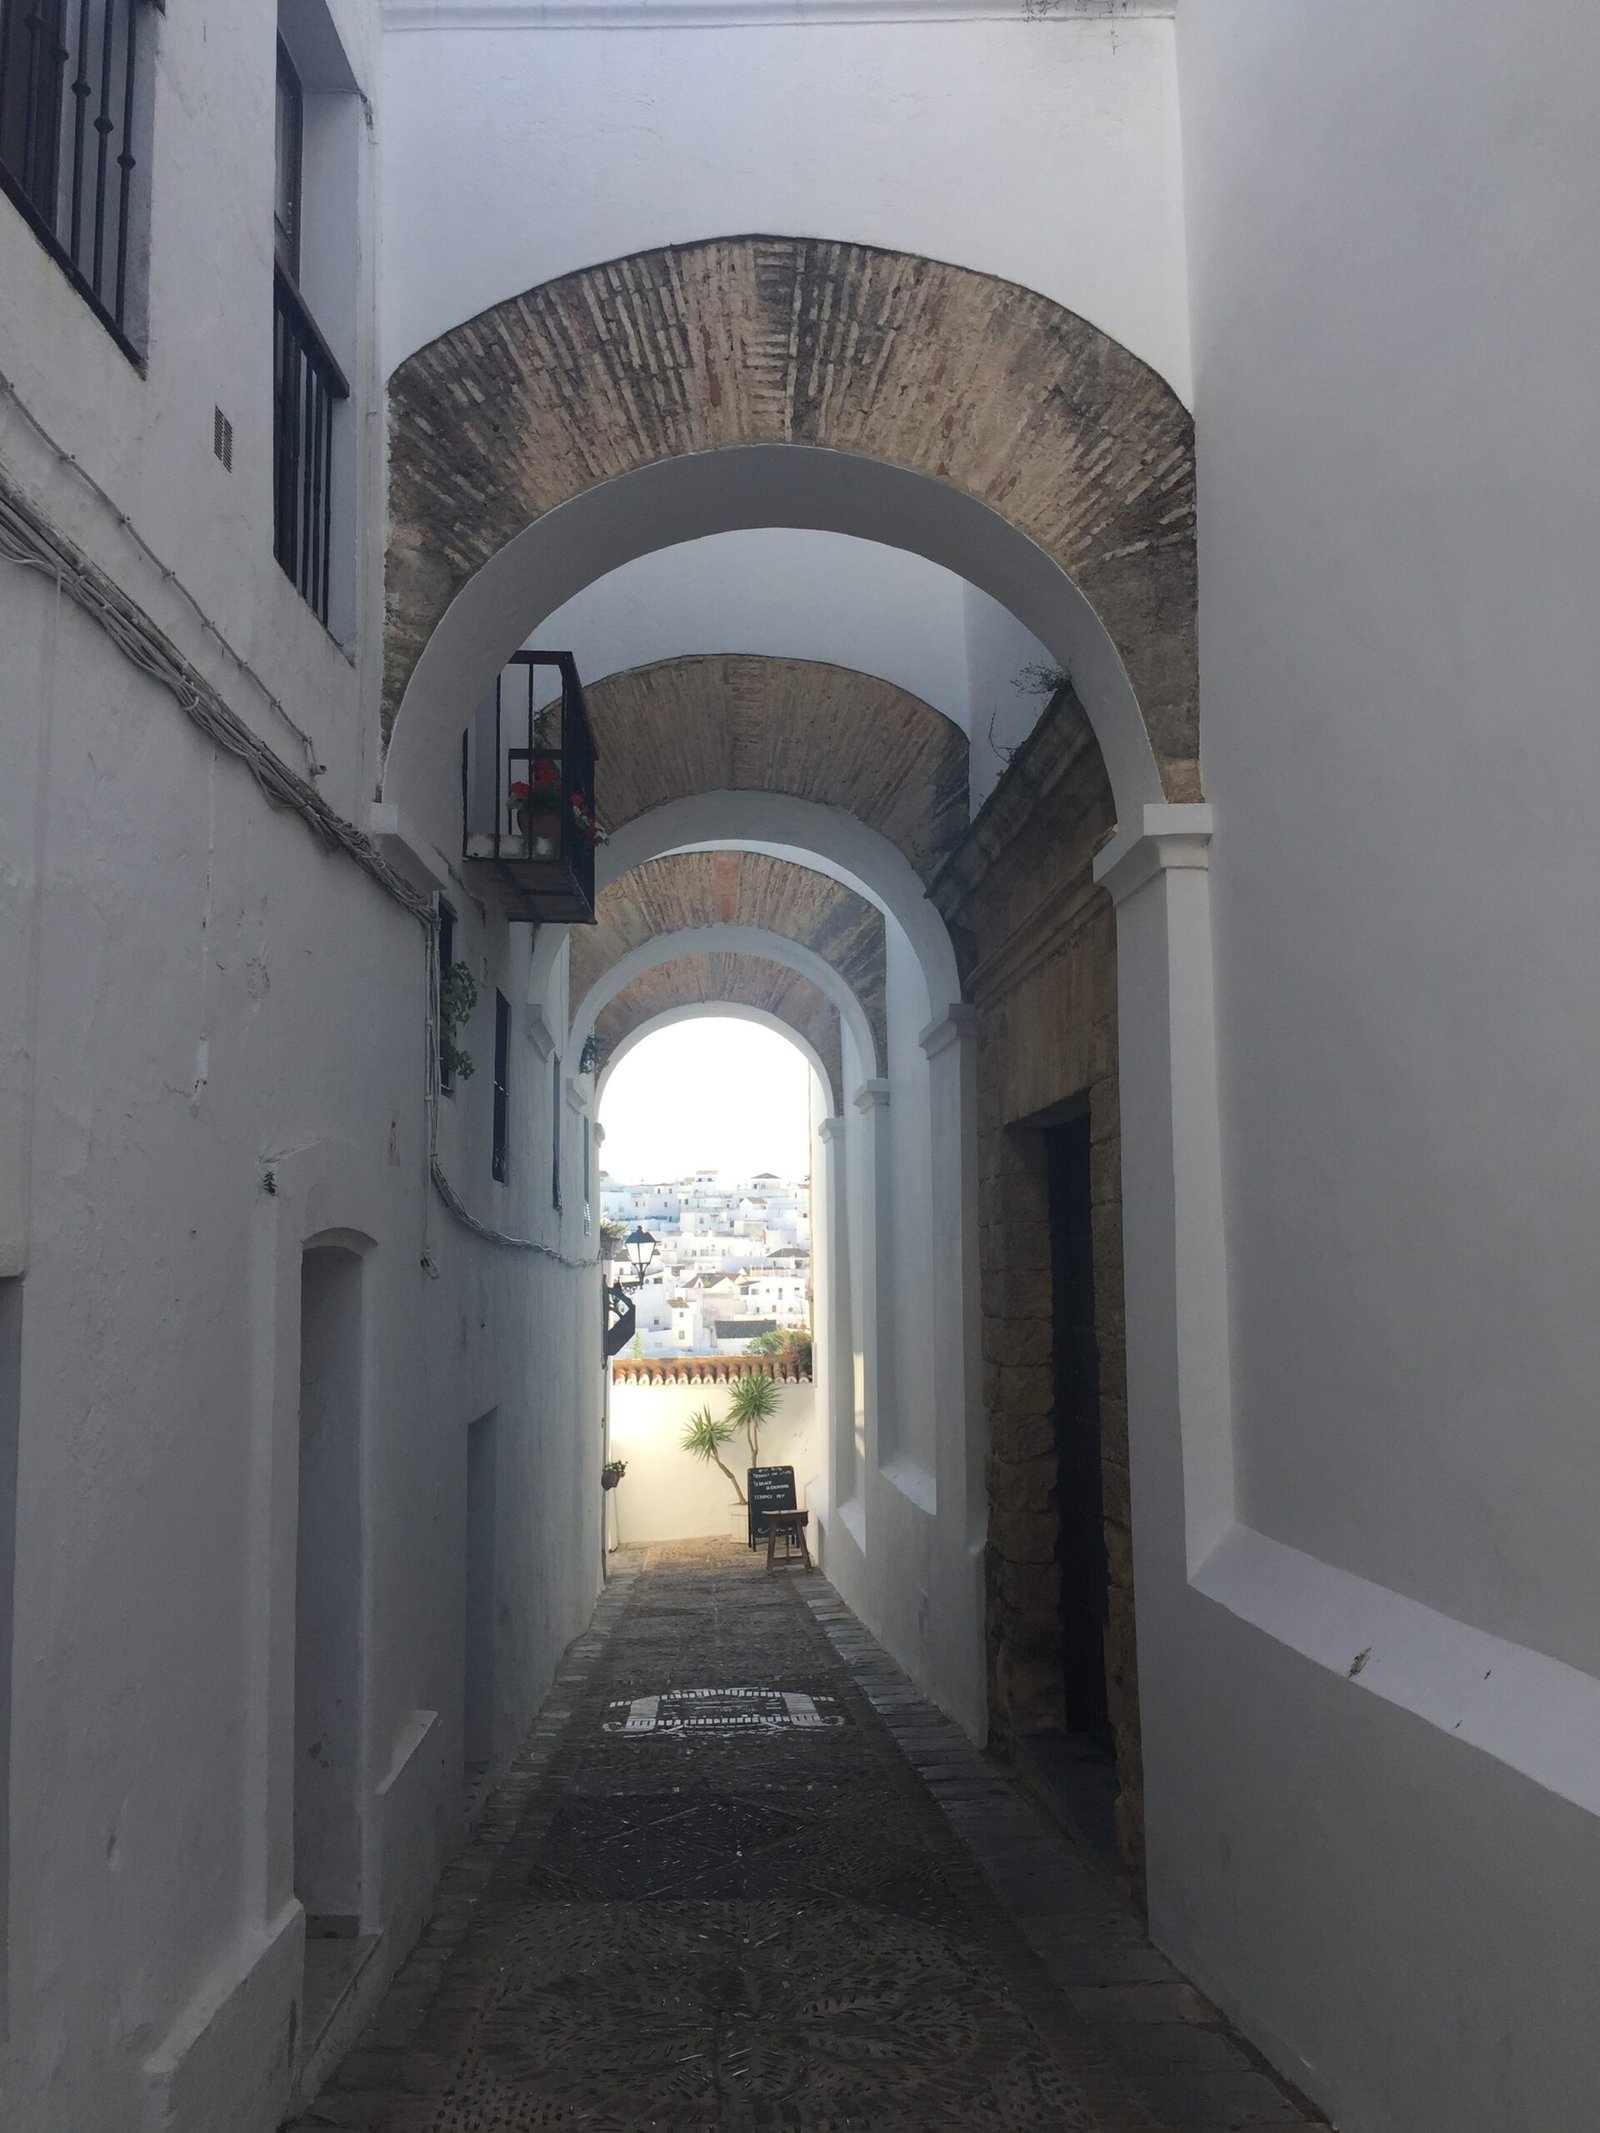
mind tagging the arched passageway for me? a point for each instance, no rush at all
(753, 987)
(819, 364)
(750, 889)
(982, 388)
(684, 411)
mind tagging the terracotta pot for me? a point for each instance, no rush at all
(539, 827)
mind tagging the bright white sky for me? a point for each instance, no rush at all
(709, 1094)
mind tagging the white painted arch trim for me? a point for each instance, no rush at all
(723, 1011)
(503, 605)
(878, 611)
(727, 940)
(850, 849)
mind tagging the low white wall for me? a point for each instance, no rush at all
(666, 1494)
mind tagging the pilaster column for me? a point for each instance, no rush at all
(950, 1045)
(872, 1292)
(1180, 1412)
(832, 1342)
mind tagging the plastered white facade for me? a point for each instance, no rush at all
(791, 594)
(1395, 535)
(216, 1053)
(1359, 1185)
(1042, 151)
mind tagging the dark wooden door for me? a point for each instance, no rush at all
(1085, 1582)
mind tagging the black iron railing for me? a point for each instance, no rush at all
(306, 382)
(69, 106)
(528, 806)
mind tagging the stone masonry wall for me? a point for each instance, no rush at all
(1039, 944)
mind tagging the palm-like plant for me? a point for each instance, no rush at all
(704, 1435)
(754, 1400)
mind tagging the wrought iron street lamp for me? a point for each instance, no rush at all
(640, 1248)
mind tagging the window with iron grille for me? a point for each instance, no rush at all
(74, 78)
(500, 1163)
(307, 381)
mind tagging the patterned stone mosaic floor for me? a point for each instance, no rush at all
(743, 1877)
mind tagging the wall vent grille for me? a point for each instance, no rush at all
(222, 438)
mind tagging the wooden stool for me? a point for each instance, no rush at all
(792, 1525)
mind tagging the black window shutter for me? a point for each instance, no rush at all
(502, 1069)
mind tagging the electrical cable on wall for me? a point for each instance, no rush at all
(441, 1184)
(29, 543)
(168, 574)
(26, 540)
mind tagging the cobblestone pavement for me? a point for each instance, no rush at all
(743, 1876)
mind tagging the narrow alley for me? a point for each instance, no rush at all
(742, 1875)
(826, 761)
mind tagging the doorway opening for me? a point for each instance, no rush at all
(477, 1716)
(1084, 1768)
(1062, 1676)
(327, 1773)
(709, 1212)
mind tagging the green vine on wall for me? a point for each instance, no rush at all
(458, 996)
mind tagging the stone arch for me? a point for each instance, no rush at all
(689, 889)
(743, 722)
(722, 979)
(982, 388)
(732, 940)
(812, 834)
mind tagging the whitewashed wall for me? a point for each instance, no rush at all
(1045, 152)
(667, 1495)
(792, 594)
(1390, 1864)
(215, 1050)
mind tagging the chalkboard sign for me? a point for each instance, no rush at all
(767, 1488)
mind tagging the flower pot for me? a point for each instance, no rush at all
(540, 830)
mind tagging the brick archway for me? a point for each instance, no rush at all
(732, 981)
(692, 889)
(973, 382)
(739, 722)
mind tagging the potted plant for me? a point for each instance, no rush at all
(612, 1472)
(588, 828)
(535, 808)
